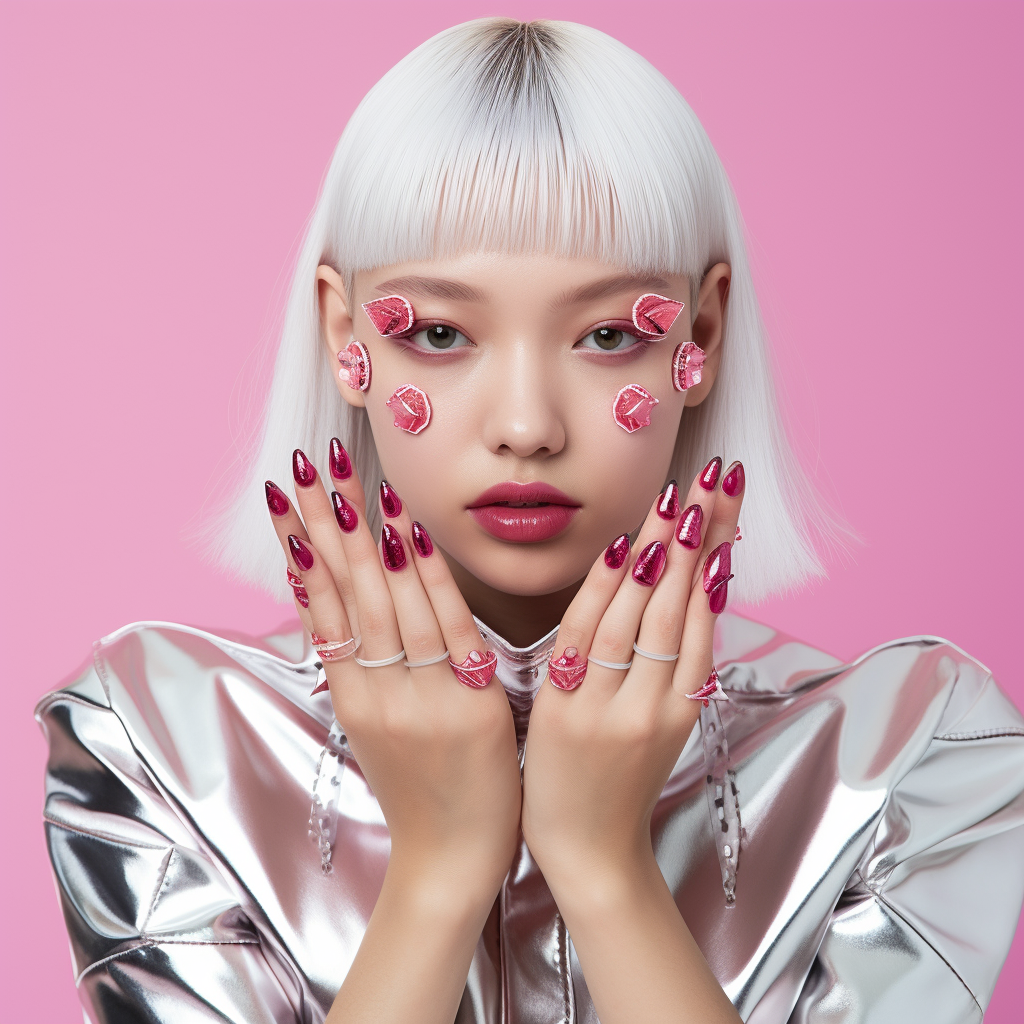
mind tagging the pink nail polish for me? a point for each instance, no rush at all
(668, 505)
(688, 531)
(277, 500)
(341, 464)
(717, 566)
(567, 671)
(390, 502)
(718, 596)
(709, 476)
(734, 480)
(421, 541)
(302, 555)
(650, 565)
(302, 469)
(617, 552)
(344, 513)
(392, 548)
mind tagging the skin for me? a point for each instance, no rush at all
(524, 399)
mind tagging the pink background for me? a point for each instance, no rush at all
(158, 164)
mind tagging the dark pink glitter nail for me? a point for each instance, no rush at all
(390, 502)
(617, 552)
(709, 475)
(734, 480)
(650, 565)
(302, 555)
(688, 531)
(668, 503)
(344, 513)
(302, 469)
(277, 500)
(341, 464)
(421, 541)
(392, 548)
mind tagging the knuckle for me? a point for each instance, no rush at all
(421, 639)
(374, 620)
(612, 640)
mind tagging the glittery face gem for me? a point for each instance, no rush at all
(632, 407)
(687, 363)
(411, 408)
(355, 366)
(477, 669)
(568, 670)
(654, 315)
(391, 315)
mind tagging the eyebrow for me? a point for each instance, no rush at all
(435, 287)
(609, 286)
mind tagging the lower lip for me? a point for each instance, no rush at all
(524, 525)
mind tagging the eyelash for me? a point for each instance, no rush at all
(623, 327)
(419, 326)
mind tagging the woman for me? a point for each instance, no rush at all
(524, 295)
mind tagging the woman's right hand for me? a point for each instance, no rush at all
(440, 756)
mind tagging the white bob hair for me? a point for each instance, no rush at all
(499, 135)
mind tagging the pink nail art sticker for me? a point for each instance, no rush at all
(477, 669)
(687, 363)
(567, 671)
(411, 408)
(355, 366)
(654, 315)
(391, 315)
(632, 407)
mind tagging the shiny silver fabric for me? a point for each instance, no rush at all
(218, 853)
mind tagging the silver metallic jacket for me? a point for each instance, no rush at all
(845, 842)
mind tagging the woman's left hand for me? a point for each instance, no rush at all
(598, 756)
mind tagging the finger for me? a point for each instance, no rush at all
(710, 590)
(285, 519)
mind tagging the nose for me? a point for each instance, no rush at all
(524, 414)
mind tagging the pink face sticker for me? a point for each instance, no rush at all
(355, 366)
(391, 315)
(687, 363)
(411, 408)
(654, 315)
(632, 407)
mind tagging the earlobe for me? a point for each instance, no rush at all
(336, 325)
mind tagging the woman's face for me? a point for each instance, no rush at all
(523, 476)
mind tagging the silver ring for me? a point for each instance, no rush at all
(653, 656)
(424, 664)
(615, 665)
(384, 662)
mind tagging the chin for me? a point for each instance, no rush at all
(526, 570)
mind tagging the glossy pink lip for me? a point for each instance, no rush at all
(523, 513)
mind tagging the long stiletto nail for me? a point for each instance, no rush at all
(344, 513)
(392, 548)
(617, 552)
(302, 555)
(302, 469)
(341, 464)
(734, 480)
(709, 476)
(390, 502)
(688, 531)
(668, 504)
(650, 565)
(277, 500)
(717, 566)
(421, 541)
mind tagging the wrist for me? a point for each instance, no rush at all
(603, 884)
(446, 885)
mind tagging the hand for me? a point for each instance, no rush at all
(597, 757)
(440, 757)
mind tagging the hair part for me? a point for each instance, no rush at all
(499, 135)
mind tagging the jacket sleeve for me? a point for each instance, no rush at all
(157, 934)
(926, 921)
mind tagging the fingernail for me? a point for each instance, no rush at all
(650, 565)
(344, 513)
(718, 596)
(392, 548)
(688, 531)
(668, 505)
(390, 502)
(709, 476)
(421, 541)
(302, 469)
(617, 552)
(277, 500)
(717, 566)
(733, 481)
(341, 464)
(302, 555)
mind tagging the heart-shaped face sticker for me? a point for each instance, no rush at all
(391, 315)
(632, 407)
(411, 408)
(654, 315)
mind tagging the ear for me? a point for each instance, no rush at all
(708, 326)
(335, 324)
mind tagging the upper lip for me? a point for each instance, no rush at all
(512, 493)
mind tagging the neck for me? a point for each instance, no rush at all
(521, 620)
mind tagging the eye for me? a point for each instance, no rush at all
(438, 338)
(608, 339)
